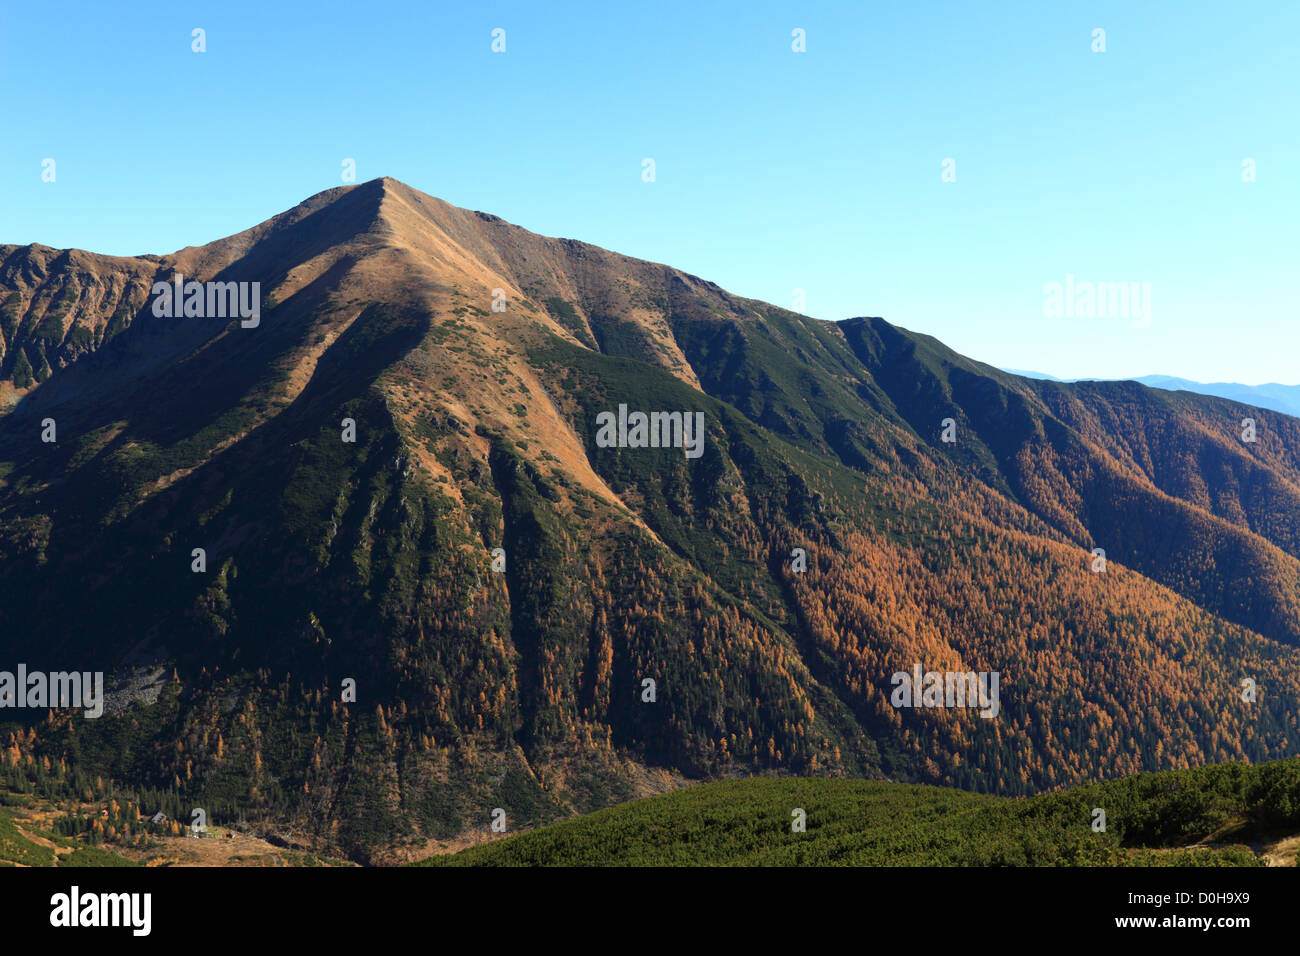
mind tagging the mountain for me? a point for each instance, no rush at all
(648, 619)
(1022, 373)
(1280, 398)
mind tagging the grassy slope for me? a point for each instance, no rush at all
(17, 847)
(1152, 819)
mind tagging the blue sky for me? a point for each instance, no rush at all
(775, 170)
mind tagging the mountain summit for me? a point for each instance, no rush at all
(423, 543)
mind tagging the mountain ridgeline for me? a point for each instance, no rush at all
(472, 361)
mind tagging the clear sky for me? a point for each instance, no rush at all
(774, 170)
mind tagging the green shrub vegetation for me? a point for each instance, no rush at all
(22, 370)
(1152, 819)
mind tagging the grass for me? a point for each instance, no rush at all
(17, 849)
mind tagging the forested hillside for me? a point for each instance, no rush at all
(497, 587)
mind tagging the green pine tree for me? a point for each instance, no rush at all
(22, 372)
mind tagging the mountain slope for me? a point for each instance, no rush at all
(523, 688)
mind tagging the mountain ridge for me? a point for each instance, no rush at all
(1271, 395)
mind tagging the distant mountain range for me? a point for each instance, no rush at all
(435, 534)
(1279, 398)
